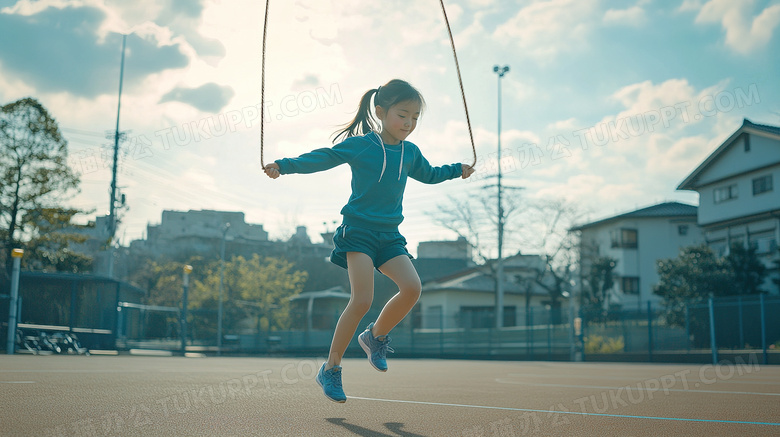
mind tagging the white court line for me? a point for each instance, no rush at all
(73, 371)
(633, 387)
(643, 377)
(575, 413)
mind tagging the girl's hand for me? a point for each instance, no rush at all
(272, 170)
(467, 171)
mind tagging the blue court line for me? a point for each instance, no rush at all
(576, 413)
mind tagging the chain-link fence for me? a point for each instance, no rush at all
(649, 333)
(690, 331)
(697, 331)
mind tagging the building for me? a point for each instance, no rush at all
(436, 259)
(318, 310)
(737, 200)
(466, 298)
(636, 240)
(198, 232)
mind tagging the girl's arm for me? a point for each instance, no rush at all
(424, 172)
(312, 162)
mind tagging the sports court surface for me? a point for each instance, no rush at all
(229, 396)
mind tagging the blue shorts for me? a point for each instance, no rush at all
(380, 246)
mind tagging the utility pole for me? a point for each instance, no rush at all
(112, 202)
(500, 262)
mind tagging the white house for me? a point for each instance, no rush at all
(737, 199)
(637, 240)
(466, 298)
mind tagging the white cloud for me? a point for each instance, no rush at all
(744, 33)
(690, 5)
(569, 125)
(633, 16)
(628, 155)
(546, 28)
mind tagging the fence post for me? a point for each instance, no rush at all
(183, 321)
(763, 329)
(650, 330)
(741, 329)
(713, 343)
(411, 333)
(441, 334)
(549, 335)
(687, 328)
(13, 308)
(529, 334)
(490, 339)
(580, 325)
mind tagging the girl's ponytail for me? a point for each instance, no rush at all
(393, 92)
(363, 122)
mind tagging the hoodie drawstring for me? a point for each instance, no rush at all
(384, 158)
(401, 164)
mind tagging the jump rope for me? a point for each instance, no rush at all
(454, 55)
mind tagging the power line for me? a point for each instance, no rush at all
(84, 132)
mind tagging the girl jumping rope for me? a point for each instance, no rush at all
(368, 237)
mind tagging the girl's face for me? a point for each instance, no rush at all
(399, 121)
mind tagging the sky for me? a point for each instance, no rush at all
(607, 104)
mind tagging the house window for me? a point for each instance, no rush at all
(747, 142)
(624, 238)
(629, 285)
(682, 229)
(762, 184)
(719, 247)
(723, 194)
(764, 245)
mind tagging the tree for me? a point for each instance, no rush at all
(544, 228)
(475, 219)
(261, 287)
(51, 238)
(749, 272)
(541, 227)
(599, 281)
(696, 274)
(255, 290)
(33, 166)
(687, 281)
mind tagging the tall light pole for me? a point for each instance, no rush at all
(501, 71)
(225, 230)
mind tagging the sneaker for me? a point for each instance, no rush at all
(376, 348)
(330, 381)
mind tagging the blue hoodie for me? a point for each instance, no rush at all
(379, 173)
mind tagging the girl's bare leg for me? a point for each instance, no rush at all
(360, 269)
(402, 272)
